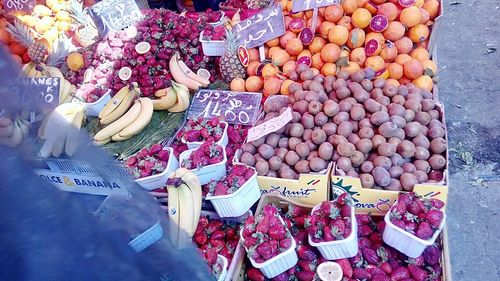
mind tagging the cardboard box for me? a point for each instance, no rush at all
(435, 29)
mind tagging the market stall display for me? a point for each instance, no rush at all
(340, 106)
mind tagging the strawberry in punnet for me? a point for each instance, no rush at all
(148, 162)
(204, 129)
(211, 258)
(207, 154)
(237, 176)
(254, 274)
(416, 215)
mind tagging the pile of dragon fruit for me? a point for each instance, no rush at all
(208, 153)
(375, 260)
(148, 162)
(236, 177)
(167, 33)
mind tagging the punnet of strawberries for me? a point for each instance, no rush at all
(216, 33)
(148, 162)
(237, 176)
(211, 258)
(332, 221)
(265, 236)
(418, 216)
(204, 129)
(208, 153)
(215, 236)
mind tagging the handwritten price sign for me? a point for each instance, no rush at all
(114, 15)
(18, 5)
(236, 107)
(42, 92)
(270, 126)
(261, 27)
(305, 5)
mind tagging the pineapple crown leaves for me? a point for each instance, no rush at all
(231, 44)
(21, 32)
(77, 12)
(60, 50)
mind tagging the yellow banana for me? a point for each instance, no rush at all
(173, 214)
(64, 91)
(103, 142)
(187, 210)
(192, 181)
(114, 102)
(121, 109)
(41, 129)
(7, 131)
(25, 127)
(179, 76)
(72, 137)
(141, 121)
(118, 137)
(15, 139)
(182, 98)
(120, 124)
(189, 73)
(166, 101)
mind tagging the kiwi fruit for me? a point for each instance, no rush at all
(302, 149)
(307, 134)
(262, 167)
(402, 90)
(312, 155)
(291, 158)
(248, 147)
(382, 161)
(300, 106)
(258, 157)
(376, 93)
(294, 87)
(288, 174)
(358, 76)
(307, 74)
(346, 149)
(366, 133)
(427, 104)
(422, 117)
(436, 132)
(340, 117)
(315, 107)
(395, 172)
(283, 142)
(367, 180)
(409, 168)
(394, 140)
(387, 129)
(422, 165)
(436, 175)
(412, 129)
(364, 145)
(398, 100)
(329, 128)
(398, 120)
(270, 115)
(421, 176)
(344, 164)
(379, 83)
(357, 113)
(318, 136)
(330, 108)
(353, 138)
(437, 162)
(275, 163)
(372, 106)
(258, 142)
(345, 106)
(307, 120)
(367, 167)
(386, 149)
(378, 118)
(342, 92)
(396, 109)
(361, 95)
(395, 185)
(302, 167)
(296, 130)
(371, 156)
(266, 151)
(247, 159)
(408, 181)
(271, 174)
(320, 119)
(325, 151)
(281, 152)
(421, 141)
(272, 139)
(434, 114)
(406, 149)
(381, 176)
(385, 101)
(317, 164)
(345, 128)
(336, 139)
(339, 82)
(400, 134)
(311, 96)
(397, 160)
(421, 153)
(292, 142)
(390, 90)
(377, 140)
(357, 158)
(438, 145)
(409, 115)
(316, 86)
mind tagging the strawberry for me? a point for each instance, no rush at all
(375, 237)
(364, 242)
(411, 227)
(249, 173)
(217, 244)
(230, 233)
(415, 208)
(281, 277)
(277, 232)
(286, 243)
(307, 265)
(305, 275)
(432, 254)
(361, 273)
(406, 197)
(266, 250)
(386, 267)
(398, 223)
(254, 274)
(239, 170)
(346, 267)
(306, 253)
(417, 273)
(200, 238)
(218, 235)
(370, 256)
(154, 149)
(211, 255)
(338, 225)
(374, 269)
(424, 231)
(294, 211)
(363, 218)
(364, 230)
(400, 273)
(300, 221)
(213, 226)
(399, 208)
(263, 225)
(274, 221)
(328, 234)
(435, 217)
(418, 261)
(436, 203)
(345, 211)
(380, 277)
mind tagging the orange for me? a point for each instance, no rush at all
(324, 28)
(375, 62)
(432, 6)
(410, 16)
(5, 36)
(404, 45)
(347, 22)
(269, 70)
(424, 82)
(273, 42)
(252, 68)
(317, 62)
(358, 56)
(284, 87)
(402, 59)
(75, 61)
(280, 57)
(253, 54)
(238, 85)
(294, 46)
(289, 66)
(419, 33)
(393, 82)
(253, 84)
(309, 14)
(329, 69)
(413, 69)
(428, 64)
(361, 17)
(389, 52)
(394, 31)
(395, 70)
(375, 35)
(420, 54)
(349, 6)
(425, 16)
(298, 15)
(317, 44)
(333, 13)
(319, 20)
(338, 35)
(304, 53)
(287, 36)
(356, 38)
(389, 10)
(330, 52)
(272, 50)
(272, 86)
(351, 68)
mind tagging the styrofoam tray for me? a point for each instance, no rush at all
(159, 180)
(93, 109)
(406, 242)
(223, 140)
(339, 249)
(212, 48)
(223, 261)
(209, 172)
(239, 202)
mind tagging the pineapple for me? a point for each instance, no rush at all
(86, 33)
(230, 65)
(38, 50)
(257, 4)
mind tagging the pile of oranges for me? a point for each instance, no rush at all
(18, 51)
(388, 36)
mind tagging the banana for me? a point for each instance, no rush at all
(114, 102)
(187, 210)
(72, 137)
(179, 76)
(119, 124)
(41, 129)
(173, 214)
(15, 139)
(121, 109)
(5, 121)
(118, 137)
(189, 73)
(64, 90)
(7, 131)
(25, 127)
(192, 181)
(166, 101)
(182, 98)
(103, 142)
(141, 121)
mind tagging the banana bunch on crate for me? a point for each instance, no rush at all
(13, 131)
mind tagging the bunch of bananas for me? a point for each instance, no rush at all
(123, 116)
(32, 70)
(184, 205)
(61, 129)
(183, 75)
(173, 99)
(13, 132)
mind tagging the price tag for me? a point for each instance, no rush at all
(18, 5)
(42, 92)
(114, 15)
(262, 27)
(305, 5)
(270, 126)
(236, 107)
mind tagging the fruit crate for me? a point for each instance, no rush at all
(280, 201)
(212, 48)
